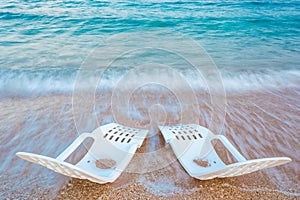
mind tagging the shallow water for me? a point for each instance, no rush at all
(55, 83)
(259, 124)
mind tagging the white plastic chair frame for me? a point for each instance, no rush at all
(112, 142)
(192, 143)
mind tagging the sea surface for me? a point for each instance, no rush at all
(54, 53)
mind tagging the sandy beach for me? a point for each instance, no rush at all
(216, 189)
(259, 124)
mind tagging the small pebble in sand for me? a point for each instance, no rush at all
(105, 163)
(202, 163)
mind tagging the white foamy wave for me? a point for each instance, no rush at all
(30, 83)
(42, 82)
(232, 80)
(257, 80)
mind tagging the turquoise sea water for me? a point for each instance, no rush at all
(43, 43)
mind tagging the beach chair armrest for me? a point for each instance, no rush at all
(71, 148)
(231, 148)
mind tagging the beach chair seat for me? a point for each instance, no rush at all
(113, 147)
(192, 145)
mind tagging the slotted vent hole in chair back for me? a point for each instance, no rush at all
(186, 133)
(120, 134)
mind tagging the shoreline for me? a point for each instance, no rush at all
(45, 125)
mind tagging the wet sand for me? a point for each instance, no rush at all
(259, 124)
(216, 189)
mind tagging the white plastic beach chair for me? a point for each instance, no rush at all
(192, 145)
(113, 147)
